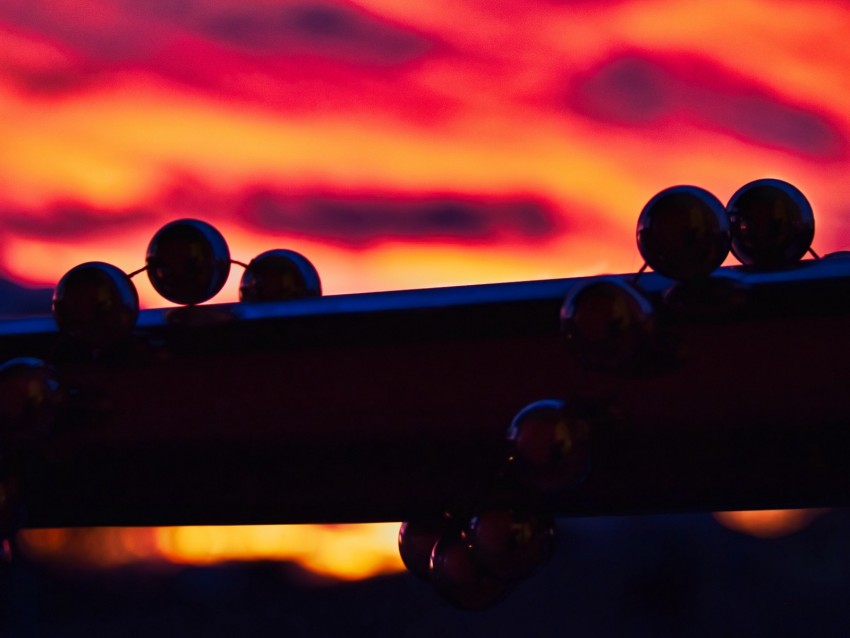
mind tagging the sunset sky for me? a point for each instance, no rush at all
(406, 144)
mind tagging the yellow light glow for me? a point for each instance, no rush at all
(341, 552)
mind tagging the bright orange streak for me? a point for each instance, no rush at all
(768, 523)
(103, 147)
(342, 552)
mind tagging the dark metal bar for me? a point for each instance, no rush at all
(391, 405)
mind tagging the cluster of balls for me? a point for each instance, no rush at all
(474, 559)
(685, 233)
(96, 305)
(188, 262)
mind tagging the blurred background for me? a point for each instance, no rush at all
(406, 145)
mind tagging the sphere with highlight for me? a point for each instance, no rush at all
(549, 446)
(188, 261)
(608, 324)
(279, 275)
(683, 233)
(416, 540)
(773, 224)
(459, 579)
(96, 303)
(511, 543)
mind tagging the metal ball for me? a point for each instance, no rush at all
(188, 261)
(683, 233)
(279, 275)
(416, 540)
(30, 395)
(458, 578)
(549, 446)
(772, 224)
(608, 324)
(96, 303)
(511, 543)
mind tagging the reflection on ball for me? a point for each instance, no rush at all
(607, 323)
(511, 543)
(96, 303)
(416, 540)
(549, 446)
(683, 233)
(279, 275)
(772, 224)
(459, 578)
(188, 261)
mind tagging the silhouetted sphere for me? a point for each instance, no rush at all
(30, 394)
(416, 540)
(683, 233)
(772, 224)
(511, 543)
(96, 303)
(459, 579)
(607, 323)
(549, 446)
(279, 275)
(188, 261)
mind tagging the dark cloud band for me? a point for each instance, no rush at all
(70, 220)
(339, 217)
(642, 90)
(365, 219)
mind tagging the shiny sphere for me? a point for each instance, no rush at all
(279, 275)
(772, 224)
(188, 261)
(96, 303)
(608, 324)
(549, 446)
(30, 395)
(416, 540)
(458, 578)
(511, 543)
(683, 233)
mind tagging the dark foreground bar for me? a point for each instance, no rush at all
(386, 406)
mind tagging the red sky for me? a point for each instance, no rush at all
(406, 144)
